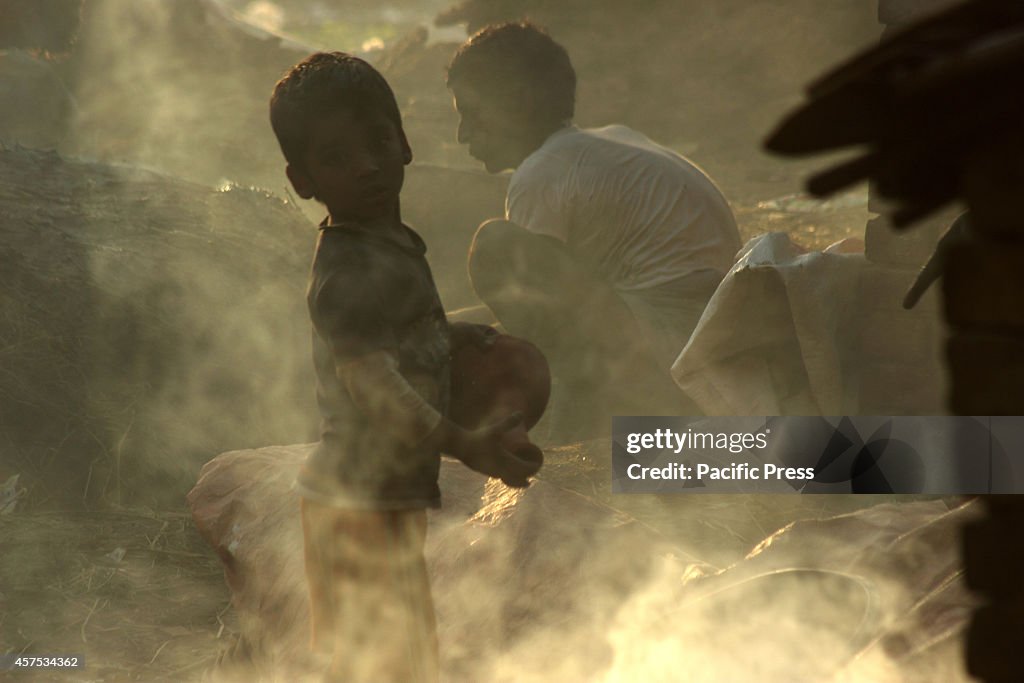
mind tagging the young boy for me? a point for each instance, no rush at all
(381, 349)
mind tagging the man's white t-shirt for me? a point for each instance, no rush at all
(637, 214)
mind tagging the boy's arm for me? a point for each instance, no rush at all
(462, 334)
(380, 391)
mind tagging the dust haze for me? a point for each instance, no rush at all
(153, 270)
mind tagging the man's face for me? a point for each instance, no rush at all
(354, 165)
(497, 132)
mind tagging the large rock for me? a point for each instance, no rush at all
(545, 584)
(147, 321)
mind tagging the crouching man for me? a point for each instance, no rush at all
(611, 244)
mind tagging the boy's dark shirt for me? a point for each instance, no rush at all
(369, 293)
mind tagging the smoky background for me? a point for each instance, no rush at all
(152, 273)
(177, 352)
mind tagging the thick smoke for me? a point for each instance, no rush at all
(157, 318)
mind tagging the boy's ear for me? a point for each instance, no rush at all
(301, 181)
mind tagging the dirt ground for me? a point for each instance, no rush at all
(140, 596)
(134, 591)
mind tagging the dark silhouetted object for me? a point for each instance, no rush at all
(938, 108)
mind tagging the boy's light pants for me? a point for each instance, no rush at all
(370, 603)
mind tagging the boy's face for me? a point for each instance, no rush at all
(354, 165)
(497, 129)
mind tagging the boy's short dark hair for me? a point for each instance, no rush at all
(519, 54)
(322, 83)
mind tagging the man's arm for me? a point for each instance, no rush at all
(462, 334)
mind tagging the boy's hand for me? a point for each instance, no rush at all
(471, 334)
(481, 450)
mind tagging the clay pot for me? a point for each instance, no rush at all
(512, 376)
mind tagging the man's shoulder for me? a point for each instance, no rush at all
(613, 134)
(572, 154)
(569, 140)
(618, 147)
(596, 145)
(552, 160)
(623, 137)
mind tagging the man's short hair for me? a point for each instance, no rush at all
(518, 55)
(322, 83)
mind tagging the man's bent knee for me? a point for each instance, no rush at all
(495, 237)
(503, 251)
(491, 254)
